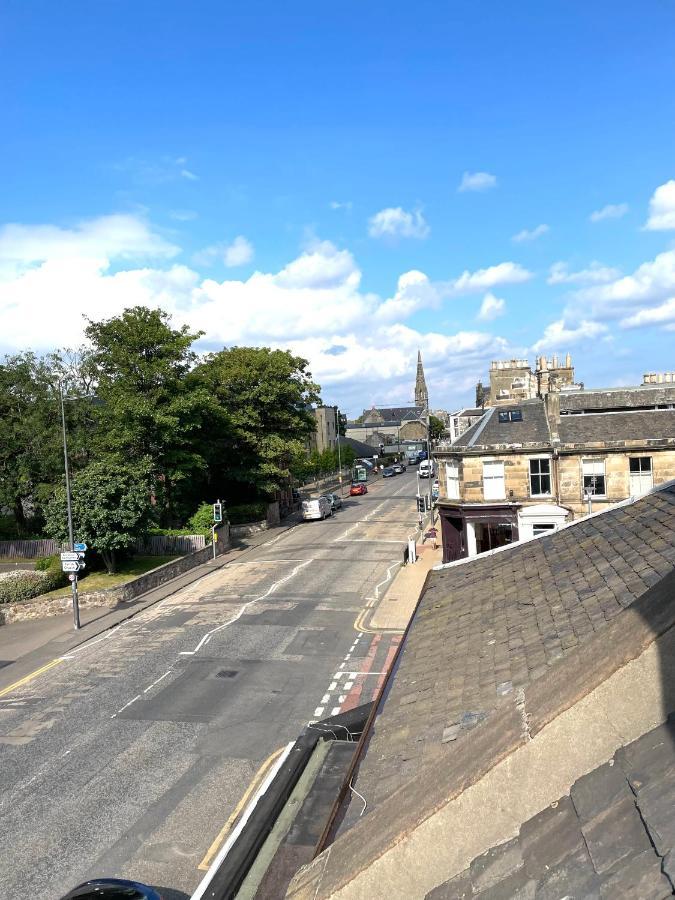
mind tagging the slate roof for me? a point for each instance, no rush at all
(361, 449)
(489, 626)
(617, 427)
(612, 836)
(393, 414)
(618, 398)
(489, 431)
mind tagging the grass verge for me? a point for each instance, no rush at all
(126, 571)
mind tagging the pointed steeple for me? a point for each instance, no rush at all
(421, 392)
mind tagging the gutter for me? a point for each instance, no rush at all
(233, 862)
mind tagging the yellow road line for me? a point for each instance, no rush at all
(253, 786)
(27, 678)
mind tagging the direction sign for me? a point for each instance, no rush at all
(70, 565)
(81, 547)
(69, 554)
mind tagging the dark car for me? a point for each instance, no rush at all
(356, 489)
(388, 472)
(112, 889)
(398, 468)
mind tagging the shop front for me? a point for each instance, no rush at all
(468, 529)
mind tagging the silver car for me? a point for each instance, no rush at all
(335, 501)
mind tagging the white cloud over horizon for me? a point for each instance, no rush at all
(477, 181)
(396, 222)
(610, 211)
(558, 335)
(596, 273)
(239, 252)
(313, 305)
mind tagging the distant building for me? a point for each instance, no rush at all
(512, 380)
(529, 466)
(461, 421)
(394, 424)
(325, 436)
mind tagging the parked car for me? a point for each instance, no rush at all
(356, 489)
(335, 501)
(388, 472)
(398, 468)
(316, 509)
(112, 889)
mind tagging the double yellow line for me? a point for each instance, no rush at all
(30, 677)
(258, 779)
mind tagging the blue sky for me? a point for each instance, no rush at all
(274, 173)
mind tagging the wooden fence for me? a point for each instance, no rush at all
(156, 545)
(29, 549)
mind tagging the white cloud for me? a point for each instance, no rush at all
(335, 204)
(652, 282)
(596, 273)
(118, 236)
(491, 308)
(483, 279)
(356, 341)
(395, 222)
(532, 235)
(558, 334)
(662, 208)
(663, 314)
(186, 173)
(477, 181)
(611, 211)
(239, 252)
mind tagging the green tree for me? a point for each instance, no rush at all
(111, 506)
(152, 407)
(436, 428)
(260, 415)
(347, 455)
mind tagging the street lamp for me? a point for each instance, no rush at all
(337, 438)
(69, 500)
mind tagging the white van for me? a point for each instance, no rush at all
(426, 468)
(316, 509)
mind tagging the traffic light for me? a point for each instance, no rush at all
(217, 512)
(421, 505)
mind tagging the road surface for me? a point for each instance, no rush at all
(131, 755)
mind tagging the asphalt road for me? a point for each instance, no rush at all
(128, 756)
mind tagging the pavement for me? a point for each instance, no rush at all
(126, 750)
(393, 612)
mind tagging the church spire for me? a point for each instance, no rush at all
(421, 392)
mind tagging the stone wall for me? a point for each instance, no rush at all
(43, 608)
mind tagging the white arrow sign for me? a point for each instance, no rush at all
(69, 554)
(70, 565)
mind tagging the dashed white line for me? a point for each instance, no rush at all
(150, 686)
(318, 711)
(335, 711)
(332, 685)
(325, 698)
(137, 697)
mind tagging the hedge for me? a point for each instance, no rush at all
(20, 585)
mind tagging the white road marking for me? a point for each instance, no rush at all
(342, 698)
(325, 698)
(335, 711)
(270, 590)
(137, 697)
(332, 685)
(150, 686)
(349, 685)
(319, 711)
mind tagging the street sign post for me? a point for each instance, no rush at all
(81, 548)
(69, 554)
(70, 565)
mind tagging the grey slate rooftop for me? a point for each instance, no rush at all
(618, 398)
(619, 427)
(489, 431)
(490, 626)
(612, 837)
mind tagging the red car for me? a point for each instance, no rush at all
(357, 489)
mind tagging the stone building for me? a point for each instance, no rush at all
(512, 380)
(530, 466)
(325, 436)
(395, 424)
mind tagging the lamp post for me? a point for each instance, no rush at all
(337, 438)
(71, 539)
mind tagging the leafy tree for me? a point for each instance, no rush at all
(436, 428)
(347, 455)
(202, 519)
(111, 506)
(152, 407)
(260, 416)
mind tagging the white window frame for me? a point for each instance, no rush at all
(494, 487)
(531, 459)
(642, 481)
(452, 480)
(590, 467)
